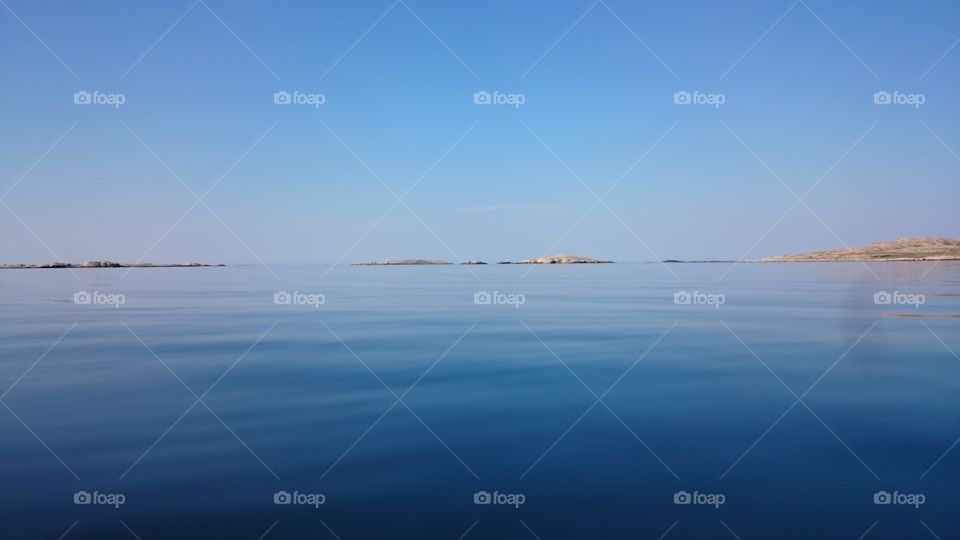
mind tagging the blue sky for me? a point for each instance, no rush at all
(304, 184)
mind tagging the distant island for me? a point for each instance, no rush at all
(902, 249)
(548, 259)
(105, 264)
(563, 259)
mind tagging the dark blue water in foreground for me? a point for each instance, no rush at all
(695, 398)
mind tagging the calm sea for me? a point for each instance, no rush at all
(586, 401)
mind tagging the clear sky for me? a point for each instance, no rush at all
(299, 183)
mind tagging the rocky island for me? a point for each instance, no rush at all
(901, 249)
(105, 264)
(562, 259)
(400, 262)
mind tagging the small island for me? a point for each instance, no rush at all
(472, 261)
(105, 264)
(562, 259)
(400, 262)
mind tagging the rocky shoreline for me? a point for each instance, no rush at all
(909, 249)
(547, 259)
(106, 264)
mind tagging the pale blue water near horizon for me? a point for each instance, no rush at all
(499, 398)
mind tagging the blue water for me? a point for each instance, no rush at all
(303, 398)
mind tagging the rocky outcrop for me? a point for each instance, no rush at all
(562, 259)
(104, 264)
